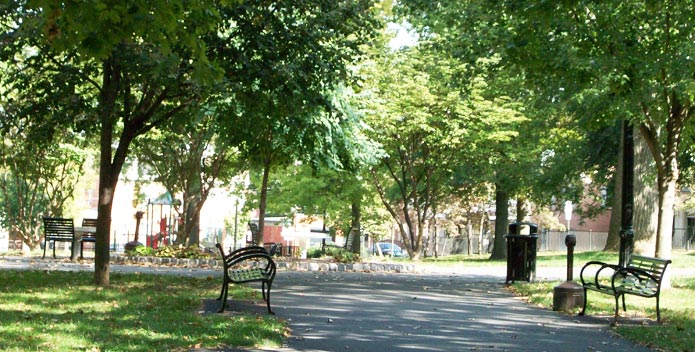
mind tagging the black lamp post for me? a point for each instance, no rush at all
(626, 232)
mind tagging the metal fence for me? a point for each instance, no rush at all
(684, 238)
(548, 241)
(554, 241)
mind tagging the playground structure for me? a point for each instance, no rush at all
(161, 223)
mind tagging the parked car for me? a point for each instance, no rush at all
(388, 249)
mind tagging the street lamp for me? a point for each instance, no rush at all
(626, 233)
(568, 214)
(569, 294)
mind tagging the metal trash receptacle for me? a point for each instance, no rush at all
(521, 251)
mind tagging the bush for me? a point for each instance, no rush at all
(142, 251)
(173, 251)
(314, 253)
(342, 255)
(339, 254)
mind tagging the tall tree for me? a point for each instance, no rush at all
(286, 61)
(40, 163)
(38, 175)
(433, 126)
(142, 60)
(635, 57)
(597, 61)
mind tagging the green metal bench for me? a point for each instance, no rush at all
(641, 277)
(248, 264)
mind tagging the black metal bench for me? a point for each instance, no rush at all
(641, 277)
(247, 264)
(87, 237)
(58, 230)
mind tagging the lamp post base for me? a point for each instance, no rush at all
(567, 296)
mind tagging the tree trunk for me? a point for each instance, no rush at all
(646, 199)
(499, 249)
(433, 235)
(108, 172)
(425, 231)
(192, 225)
(664, 238)
(521, 208)
(182, 232)
(666, 159)
(481, 233)
(356, 224)
(194, 201)
(410, 232)
(469, 233)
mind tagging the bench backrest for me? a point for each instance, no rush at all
(254, 256)
(58, 229)
(89, 222)
(654, 266)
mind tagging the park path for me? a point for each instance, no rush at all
(436, 312)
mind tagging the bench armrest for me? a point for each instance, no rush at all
(595, 279)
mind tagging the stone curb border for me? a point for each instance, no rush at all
(288, 265)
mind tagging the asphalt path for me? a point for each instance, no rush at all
(470, 310)
(435, 312)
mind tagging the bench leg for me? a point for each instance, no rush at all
(617, 306)
(266, 296)
(221, 292)
(658, 314)
(223, 296)
(45, 243)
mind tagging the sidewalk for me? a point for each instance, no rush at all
(130, 264)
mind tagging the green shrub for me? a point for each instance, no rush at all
(314, 253)
(342, 255)
(143, 251)
(339, 254)
(173, 251)
(191, 252)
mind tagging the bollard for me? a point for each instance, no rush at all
(569, 294)
(570, 242)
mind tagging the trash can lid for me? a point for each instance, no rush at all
(523, 228)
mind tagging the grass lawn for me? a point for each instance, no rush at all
(543, 259)
(64, 311)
